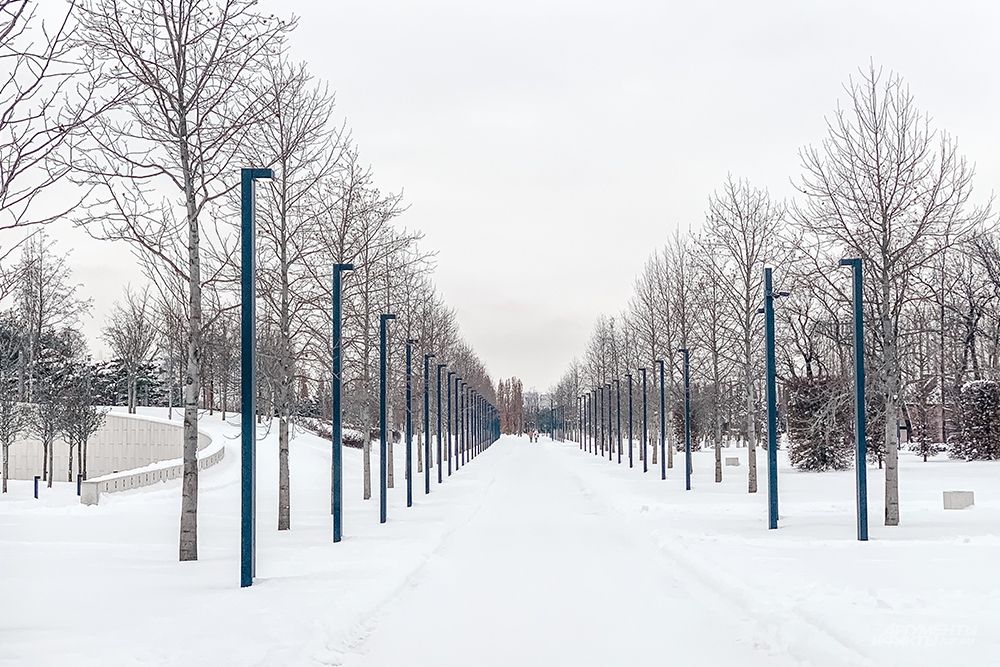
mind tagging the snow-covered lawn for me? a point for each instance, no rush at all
(923, 593)
(533, 554)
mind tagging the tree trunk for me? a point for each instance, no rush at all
(655, 437)
(45, 459)
(6, 465)
(286, 380)
(941, 350)
(52, 450)
(69, 471)
(284, 483)
(717, 414)
(390, 478)
(718, 445)
(891, 380)
(188, 548)
(367, 451)
(671, 443)
(170, 390)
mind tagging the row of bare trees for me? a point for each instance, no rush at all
(144, 112)
(883, 185)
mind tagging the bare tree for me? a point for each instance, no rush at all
(711, 326)
(298, 140)
(44, 99)
(188, 70)
(47, 300)
(741, 236)
(45, 421)
(358, 228)
(885, 187)
(131, 335)
(14, 416)
(647, 317)
(79, 418)
(681, 275)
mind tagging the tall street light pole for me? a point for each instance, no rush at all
(618, 416)
(628, 376)
(687, 418)
(440, 367)
(451, 374)
(336, 410)
(772, 401)
(409, 422)
(644, 455)
(663, 421)
(860, 436)
(248, 369)
(427, 423)
(383, 352)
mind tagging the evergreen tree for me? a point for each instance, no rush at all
(819, 423)
(979, 437)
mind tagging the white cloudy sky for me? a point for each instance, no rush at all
(546, 147)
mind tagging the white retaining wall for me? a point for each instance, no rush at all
(124, 442)
(91, 490)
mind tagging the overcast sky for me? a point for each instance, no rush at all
(547, 147)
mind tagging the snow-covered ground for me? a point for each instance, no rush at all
(533, 554)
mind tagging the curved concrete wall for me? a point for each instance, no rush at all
(124, 442)
(91, 490)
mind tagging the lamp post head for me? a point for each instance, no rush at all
(385, 317)
(258, 174)
(343, 267)
(851, 261)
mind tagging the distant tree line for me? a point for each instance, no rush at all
(510, 403)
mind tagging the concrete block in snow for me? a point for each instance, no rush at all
(958, 500)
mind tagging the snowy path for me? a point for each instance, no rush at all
(533, 554)
(544, 574)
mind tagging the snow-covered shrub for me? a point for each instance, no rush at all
(353, 437)
(979, 408)
(926, 449)
(820, 423)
